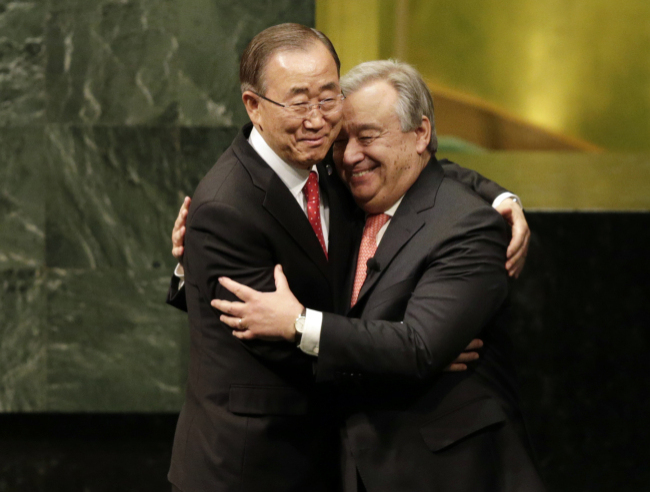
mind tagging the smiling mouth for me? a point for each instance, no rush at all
(361, 173)
(360, 178)
(314, 141)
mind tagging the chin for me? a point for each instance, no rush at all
(360, 199)
(313, 158)
(362, 192)
(305, 163)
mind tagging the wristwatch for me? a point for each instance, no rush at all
(299, 325)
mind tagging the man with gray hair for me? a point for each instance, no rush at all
(253, 417)
(429, 277)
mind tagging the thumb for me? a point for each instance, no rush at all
(280, 280)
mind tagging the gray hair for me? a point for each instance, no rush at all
(413, 97)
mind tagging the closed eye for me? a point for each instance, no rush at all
(367, 140)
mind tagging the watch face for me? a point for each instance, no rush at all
(300, 324)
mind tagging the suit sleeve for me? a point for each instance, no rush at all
(176, 296)
(461, 288)
(486, 189)
(221, 241)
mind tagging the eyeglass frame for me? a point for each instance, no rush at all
(309, 107)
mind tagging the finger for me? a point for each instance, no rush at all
(516, 264)
(455, 367)
(518, 268)
(232, 322)
(281, 282)
(517, 241)
(520, 230)
(242, 291)
(475, 344)
(235, 309)
(180, 218)
(177, 236)
(466, 357)
(243, 335)
(182, 213)
(512, 259)
(185, 205)
(177, 252)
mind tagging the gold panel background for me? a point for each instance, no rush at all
(577, 67)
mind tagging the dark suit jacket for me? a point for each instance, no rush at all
(438, 281)
(252, 420)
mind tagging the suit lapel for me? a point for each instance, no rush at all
(283, 207)
(279, 202)
(346, 225)
(405, 223)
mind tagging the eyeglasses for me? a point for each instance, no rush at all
(326, 107)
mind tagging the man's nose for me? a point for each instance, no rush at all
(352, 153)
(314, 119)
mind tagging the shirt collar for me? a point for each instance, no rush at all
(391, 211)
(295, 179)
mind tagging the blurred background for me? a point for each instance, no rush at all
(111, 111)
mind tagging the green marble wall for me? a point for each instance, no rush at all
(110, 112)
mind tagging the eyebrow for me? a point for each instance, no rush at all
(304, 90)
(366, 126)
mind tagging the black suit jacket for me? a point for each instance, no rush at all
(251, 420)
(438, 280)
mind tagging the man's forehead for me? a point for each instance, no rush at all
(368, 109)
(309, 73)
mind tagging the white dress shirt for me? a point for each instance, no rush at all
(310, 341)
(294, 178)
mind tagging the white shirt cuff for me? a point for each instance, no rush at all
(180, 273)
(504, 196)
(310, 341)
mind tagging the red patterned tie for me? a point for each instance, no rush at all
(313, 207)
(367, 250)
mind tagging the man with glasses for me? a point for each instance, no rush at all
(429, 277)
(253, 419)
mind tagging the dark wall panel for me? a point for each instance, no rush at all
(582, 329)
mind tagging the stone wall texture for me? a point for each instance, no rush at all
(110, 113)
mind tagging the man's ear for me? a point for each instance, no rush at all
(252, 105)
(422, 135)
